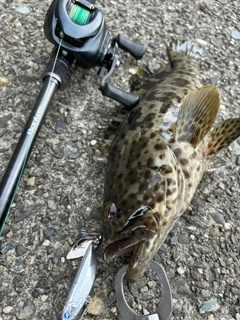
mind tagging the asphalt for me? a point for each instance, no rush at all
(61, 190)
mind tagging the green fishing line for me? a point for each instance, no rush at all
(78, 14)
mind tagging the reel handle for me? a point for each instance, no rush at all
(136, 49)
(128, 99)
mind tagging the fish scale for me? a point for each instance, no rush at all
(159, 156)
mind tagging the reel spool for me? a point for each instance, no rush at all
(78, 14)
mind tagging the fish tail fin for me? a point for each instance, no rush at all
(223, 135)
(197, 115)
(185, 48)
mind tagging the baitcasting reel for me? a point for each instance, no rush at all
(79, 27)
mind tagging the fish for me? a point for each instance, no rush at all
(159, 155)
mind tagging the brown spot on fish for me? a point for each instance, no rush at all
(141, 187)
(132, 195)
(165, 169)
(152, 135)
(151, 106)
(146, 197)
(181, 82)
(171, 191)
(124, 202)
(150, 161)
(150, 125)
(164, 223)
(152, 205)
(147, 174)
(146, 152)
(162, 156)
(160, 197)
(159, 146)
(186, 174)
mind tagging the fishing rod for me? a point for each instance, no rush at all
(79, 34)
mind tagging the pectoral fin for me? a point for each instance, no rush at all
(197, 115)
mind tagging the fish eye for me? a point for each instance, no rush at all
(109, 210)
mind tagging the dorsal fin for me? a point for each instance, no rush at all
(197, 114)
(223, 135)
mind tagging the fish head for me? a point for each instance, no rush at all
(135, 221)
(137, 234)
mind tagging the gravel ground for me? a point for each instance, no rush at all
(62, 187)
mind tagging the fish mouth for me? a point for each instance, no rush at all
(138, 236)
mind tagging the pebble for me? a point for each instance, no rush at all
(114, 310)
(23, 9)
(205, 293)
(20, 250)
(7, 309)
(31, 181)
(74, 155)
(29, 260)
(210, 317)
(214, 232)
(144, 289)
(145, 312)
(93, 142)
(226, 226)
(235, 34)
(46, 243)
(209, 306)
(49, 232)
(151, 284)
(201, 42)
(60, 126)
(52, 205)
(196, 221)
(217, 217)
(183, 240)
(9, 246)
(44, 298)
(180, 270)
(238, 316)
(97, 304)
(4, 81)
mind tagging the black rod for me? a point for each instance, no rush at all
(17, 163)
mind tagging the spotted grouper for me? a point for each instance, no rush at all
(158, 157)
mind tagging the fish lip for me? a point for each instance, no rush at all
(141, 226)
(108, 256)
